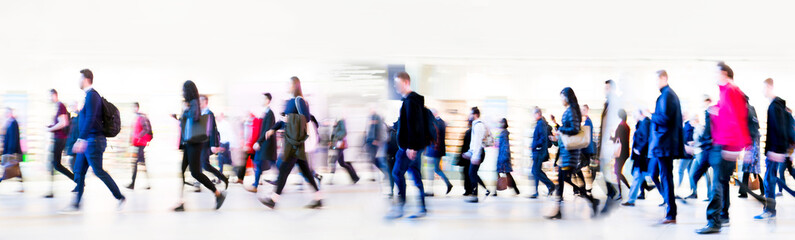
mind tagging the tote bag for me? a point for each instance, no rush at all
(579, 141)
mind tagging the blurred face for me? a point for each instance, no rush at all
(135, 109)
(203, 102)
(608, 88)
(83, 82)
(563, 100)
(537, 114)
(401, 86)
(768, 91)
(584, 111)
(707, 103)
(266, 101)
(721, 76)
(662, 81)
(7, 113)
(53, 98)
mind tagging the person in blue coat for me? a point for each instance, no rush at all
(666, 141)
(11, 147)
(540, 149)
(640, 158)
(504, 157)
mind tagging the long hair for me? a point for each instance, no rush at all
(571, 98)
(189, 91)
(296, 87)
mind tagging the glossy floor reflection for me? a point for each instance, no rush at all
(352, 212)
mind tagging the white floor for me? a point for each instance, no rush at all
(351, 212)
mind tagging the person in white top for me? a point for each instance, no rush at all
(476, 152)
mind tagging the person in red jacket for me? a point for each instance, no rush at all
(140, 137)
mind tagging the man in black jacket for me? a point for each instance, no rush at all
(265, 147)
(666, 141)
(213, 146)
(640, 158)
(412, 139)
(779, 139)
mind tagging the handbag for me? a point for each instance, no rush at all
(197, 130)
(753, 182)
(502, 182)
(617, 152)
(10, 163)
(579, 141)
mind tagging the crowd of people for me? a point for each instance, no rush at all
(707, 144)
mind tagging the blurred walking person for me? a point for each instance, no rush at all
(666, 141)
(621, 137)
(339, 143)
(213, 145)
(540, 149)
(704, 152)
(780, 138)
(12, 149)
(265, 147)
(60, 132)
(437, 150)
(640, 158)
(140, 137)
(476, 152)
(504, 165)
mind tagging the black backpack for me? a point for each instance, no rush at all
(111, 119)
(430, 122)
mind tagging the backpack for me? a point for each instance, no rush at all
(111, 119)
(549, 133)
(430, 129)
(753, 122)
(488, 139)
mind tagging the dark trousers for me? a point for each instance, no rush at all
(511, 182)
(93, 157)
(771, 178)
(666, 166)
(389, 166)
(205, 161)
(224, 157)
(785, 167)
(699, 169)
(55, 164)
(474, 178)
(538, 173)
(346, 165)
(286, 167)
(140, 160)
(191, 160)
(654, 172)
(402, 165)
(564, 176)
(718, 207)
(746, 178)
(618, 168)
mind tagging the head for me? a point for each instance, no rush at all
(725, 73)
(622, 115)
(769, 88)
(474, 113)
(570, 100)
(53, 96)
(295, 87)
(707, 100)
(189, 91)
(537, 113)
(584, 110)
(86, 78)
(268, 99)
(504, 123)
(136, 107)
(639, 114)
(610, 85)
(662, 79)
(403, 83)
(8, 113)
(203, 101)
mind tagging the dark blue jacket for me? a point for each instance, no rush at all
(437, 148)
(290, 107)
(666, 127)
(640, 143)
(705, 140)
(411, 126)
(11, 139)
(91, 116)
(215, 136)
(267, 146)
(74, 131)
(569, 125)
(689, 132)
(192, 113)
(591, 149)
(779, 127)
(540, 137)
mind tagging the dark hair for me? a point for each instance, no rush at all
(136, 104)
(662, 73)
(268, 95)
(88, 74)
(622, 114)
(476, 111)
(610, 82)
(504, 123)
(403, 76)
(296, 87)
(189, 91)
(725, 68)
(52, 91)
(571, 98)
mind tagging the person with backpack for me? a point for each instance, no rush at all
(60, 131)
(540, 149)
(413, 136)
(751, 167)
(296, 118)
(193, 137)
(140, 137)
(90, 145)
(437, 150)
(476, 153)
(213, 145)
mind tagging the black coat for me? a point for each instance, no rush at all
(667, 131)
(411, 126)
(267, 146)
(640, 144)
(779, 127)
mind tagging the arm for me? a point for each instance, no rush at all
(570, 127)
(476, 143)
(660, 115)
(92, 107)
(63, 121)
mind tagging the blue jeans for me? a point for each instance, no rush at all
(538, 174)
(93, 157)
(699, 169)
(653, 170)
(638, 177)
(261, 166)
(413, 166)
(437, 168)
(684, 165)
(224, 157)
(667, 187)
(718, 207)
(771, 177)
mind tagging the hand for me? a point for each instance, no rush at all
(255, 147)
(476, 161)
(553, 138)
(214, 149)
(375, 142)
(635, 151)
(268, 134)
(712, 110)
(412, 154)
(80, 146)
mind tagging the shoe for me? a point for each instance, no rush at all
(487, 192)
(226, 183)
(724, 222)
(219, 200)
(609, 205)
(642, 197)
(779, 194)
(678, 198)
(74, 189)
(472, 199)
(270, 182)
(120, 206)
(661, 204)
(429, 194)
(743, 196)
(71, 209)
(534, 196)
(198, 190)
(238, 181)
(394, 214)
(420, 214)
(692, 196)
(708, 230)
(315, 204)
(131, 186)
(148, 187)
(668, 221)
(268, 202)
(251, 188)
(554, 217)
(628, 204)
(765, 216)
(319, 178)
(49, 196)
(180, 208)
(449, 188)
(495, 193)
(356, 180)
(467, 194)
(618, 198)
(550, 192)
